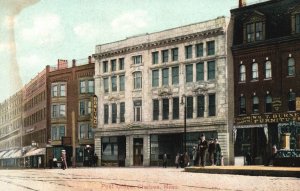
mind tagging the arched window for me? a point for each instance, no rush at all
(242, 105)
(291, 67)
(268, 102)
(255, 104)
(268, 70)
(292, 101)
(137, 80)
(254, 71)
(242, 73)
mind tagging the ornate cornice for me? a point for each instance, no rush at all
(161, 43)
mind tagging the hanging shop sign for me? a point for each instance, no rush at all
(276, 103)
(94, 111)
(267, 118)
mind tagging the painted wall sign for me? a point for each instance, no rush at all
(94, 111)
(276, 103)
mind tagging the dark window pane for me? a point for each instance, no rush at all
(154, 57)
(199, 50)
(189, 73)
(200, 106)
(113, 113)
(200, 71)
(242, 105)
(189, 107)
(113, 65)
(188, 52)
(105, 114)
(155, 109)
(165, 56)
(175, 75)
(155, 78)
(122, 112)
(165, 76)
(210, 48)
(175, 108)
(212, 105)
(174, 54)
(165, 108)
(211, 70)
(121, 64)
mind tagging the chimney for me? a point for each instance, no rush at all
(242, 3)
(90, 59)
(73, 63)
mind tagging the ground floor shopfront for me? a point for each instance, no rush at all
(255, 137)
(145, 147)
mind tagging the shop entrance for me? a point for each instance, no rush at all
(138, 151)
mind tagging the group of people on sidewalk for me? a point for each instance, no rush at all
(199, 153)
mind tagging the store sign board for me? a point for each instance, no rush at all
(297, 103)
(267, 118)
(276, 103)
(94, 111)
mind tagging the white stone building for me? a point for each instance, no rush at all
(142, 83)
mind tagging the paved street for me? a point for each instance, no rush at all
(136, 179)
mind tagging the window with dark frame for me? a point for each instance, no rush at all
(297, 23)
(106, 114)
(122, 82)
(242, 101)
(188, 52)
(268, 70)
(155, 57)
(121, 63)
(292, 101)
(122, 112)
(210, 48)
(113, 65)
(155, 78)
(242, 73)
(137, 59)
(268, 102)
(175, 75)
(105, 85)
(255, 105)
(291, 67)
(200, 71)
(175, 108)
(165, 76)
(165, 56)
(254, 31)
(155, 109)
(137, 110)
(211, 70)
(114, 113)
(211, 105)
(114, 83)
(199, 50)
(254, 71)
(137, 80)
(165, 109)
(189, 73)
(200, 105)
(105, 66)
(174, 54)
(189, 107)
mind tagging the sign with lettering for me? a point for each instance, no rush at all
(267, 118)
(94, 114)
(297, 103)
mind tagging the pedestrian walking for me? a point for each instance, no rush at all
(202, 147)
(165, 160)
(211, 151)
(177, 160)
(181, 160)
(194, 153)
(218, 153)
(95, 160)
(273, 155)
(186, 159)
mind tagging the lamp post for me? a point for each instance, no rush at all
(183, 102)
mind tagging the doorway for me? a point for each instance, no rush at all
(138, 151)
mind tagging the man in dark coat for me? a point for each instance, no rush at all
(202, 147)
(211, 151)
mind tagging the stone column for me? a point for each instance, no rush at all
(146, 149)
(129, 155)
(285, 137)
(98, 148)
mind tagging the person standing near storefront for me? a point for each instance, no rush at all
(165, 158)
(177, 160)
(218, 153)
(202, 147)
(211, 151)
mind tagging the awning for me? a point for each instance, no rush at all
(7, 154)
(2, 153)
(34, 152)
(16, 154)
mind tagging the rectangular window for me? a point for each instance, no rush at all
(54, 111)
(210, 48)
(155, 110)
(58, 110)
(189, 107)
(62, 90)
(90, 86)
(137, 59)
(189, 73)
(113, 65)
(122, 82)
(258, 31)
(199, 50)
(297, 23)
(211, 70)
(57, 132)
(200, 106)
(85, 131)
(137, 80)
(165, 77)
(165, 56)
(85, 107)
(154, 57)
(106, 114)
(62, 110)
(250, 32)
(200, 71)
(122, 112)
(174, 53)
(211, 105)
(121, 64)
(105, 85)
(82, 86)
(165, 109)
(113, 113)
(155, 78)
(188, 52)
(114, 83)
(175, 75)
(54, 90)
(175, 108)
(105, 66)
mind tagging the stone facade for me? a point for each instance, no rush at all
(141, 82)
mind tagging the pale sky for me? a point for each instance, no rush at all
(70, 29)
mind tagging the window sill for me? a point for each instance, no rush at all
(267, 79)
(242, 82)
(291, 111)
(255, 80)
(254, 114)
(291, 76)
(242, 115)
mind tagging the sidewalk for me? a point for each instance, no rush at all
(248, 170)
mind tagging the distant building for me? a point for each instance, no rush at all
(142, 84)
(266, 44)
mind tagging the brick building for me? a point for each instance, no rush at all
(266, 42)
(143, 83)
